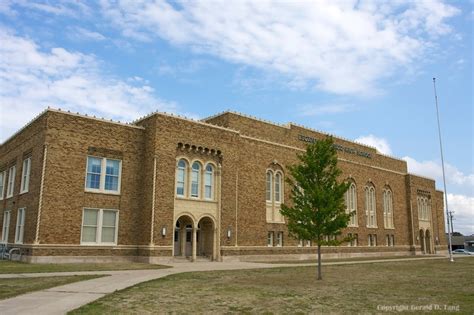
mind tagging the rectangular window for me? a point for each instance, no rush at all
(2, 184)
(208, 185)
(356, 240)
(20, 226)
(270, 239)
(6, 226)
(103, 175)
(279, 239)
(194, 184)
(392, 238)
(11, 181)
(180, 182)
(99, 226)
(25, 175)
(308, 243)
(300, 243)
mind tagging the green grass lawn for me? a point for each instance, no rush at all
(357, 288)
(18, 267)
(16, 286)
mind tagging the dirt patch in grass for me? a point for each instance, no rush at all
(19, 267)
(358, 288)
(313, 261)
(15, 286)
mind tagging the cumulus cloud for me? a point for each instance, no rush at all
(343, 47)
(463, 207)
(432, 169)
(32, 79)
(380, 144)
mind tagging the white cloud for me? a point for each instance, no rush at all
(432, 169)
(84, 34)
(32, 80)
(342, 47)
(463, 207)
(380, 144)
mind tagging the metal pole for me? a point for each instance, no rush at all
(451, 220)
(444, 176)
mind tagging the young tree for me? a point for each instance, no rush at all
(318, 209)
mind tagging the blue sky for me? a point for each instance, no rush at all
(358, 69)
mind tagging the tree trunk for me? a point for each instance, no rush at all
(319, 263)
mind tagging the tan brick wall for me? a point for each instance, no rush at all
(29, 141)
(245, 156)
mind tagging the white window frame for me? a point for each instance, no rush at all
(388, 208)
(199, 180)
(20, 225)
(351, 204)
(270, 239)
(25, 175)
(103, 171)
(3, 174)
(209, 174)
(278, 190)
(185, 177)
(6, 226)
(269, 192)
(11, 181)
(98, 234)
(371, 206)
(279, 240)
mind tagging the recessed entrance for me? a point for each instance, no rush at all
(183, 237)
(205, 238)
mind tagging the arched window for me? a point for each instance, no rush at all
(370, 207)
(387, 208)
(181, 177)
(195, 179)
(209, 182)
(351, 203)
(277, 187)
(269, 186)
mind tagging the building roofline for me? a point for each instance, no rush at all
(201, 122)
(421, 176)
(289, 124)
(67, 112)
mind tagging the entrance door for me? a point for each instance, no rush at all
(189, 241)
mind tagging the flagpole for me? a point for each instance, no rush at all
(444, 176)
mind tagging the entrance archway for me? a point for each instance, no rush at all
(428, 242)
(205, 239)
(183, 236)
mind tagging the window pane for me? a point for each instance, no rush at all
(112, 167)
(89, 234)
(111, 182)
(90, 217)
(108, 235)
(93, 181)
(93, 165)
(208, 192)
(93, 172)
(269, 186)
(108, 218)
(277, 187)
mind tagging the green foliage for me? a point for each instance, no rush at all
(317, 197)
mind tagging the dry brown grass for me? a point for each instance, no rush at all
(357, 288)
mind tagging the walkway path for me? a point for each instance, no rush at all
(60, 300)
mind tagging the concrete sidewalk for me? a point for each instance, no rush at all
(60, 300)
